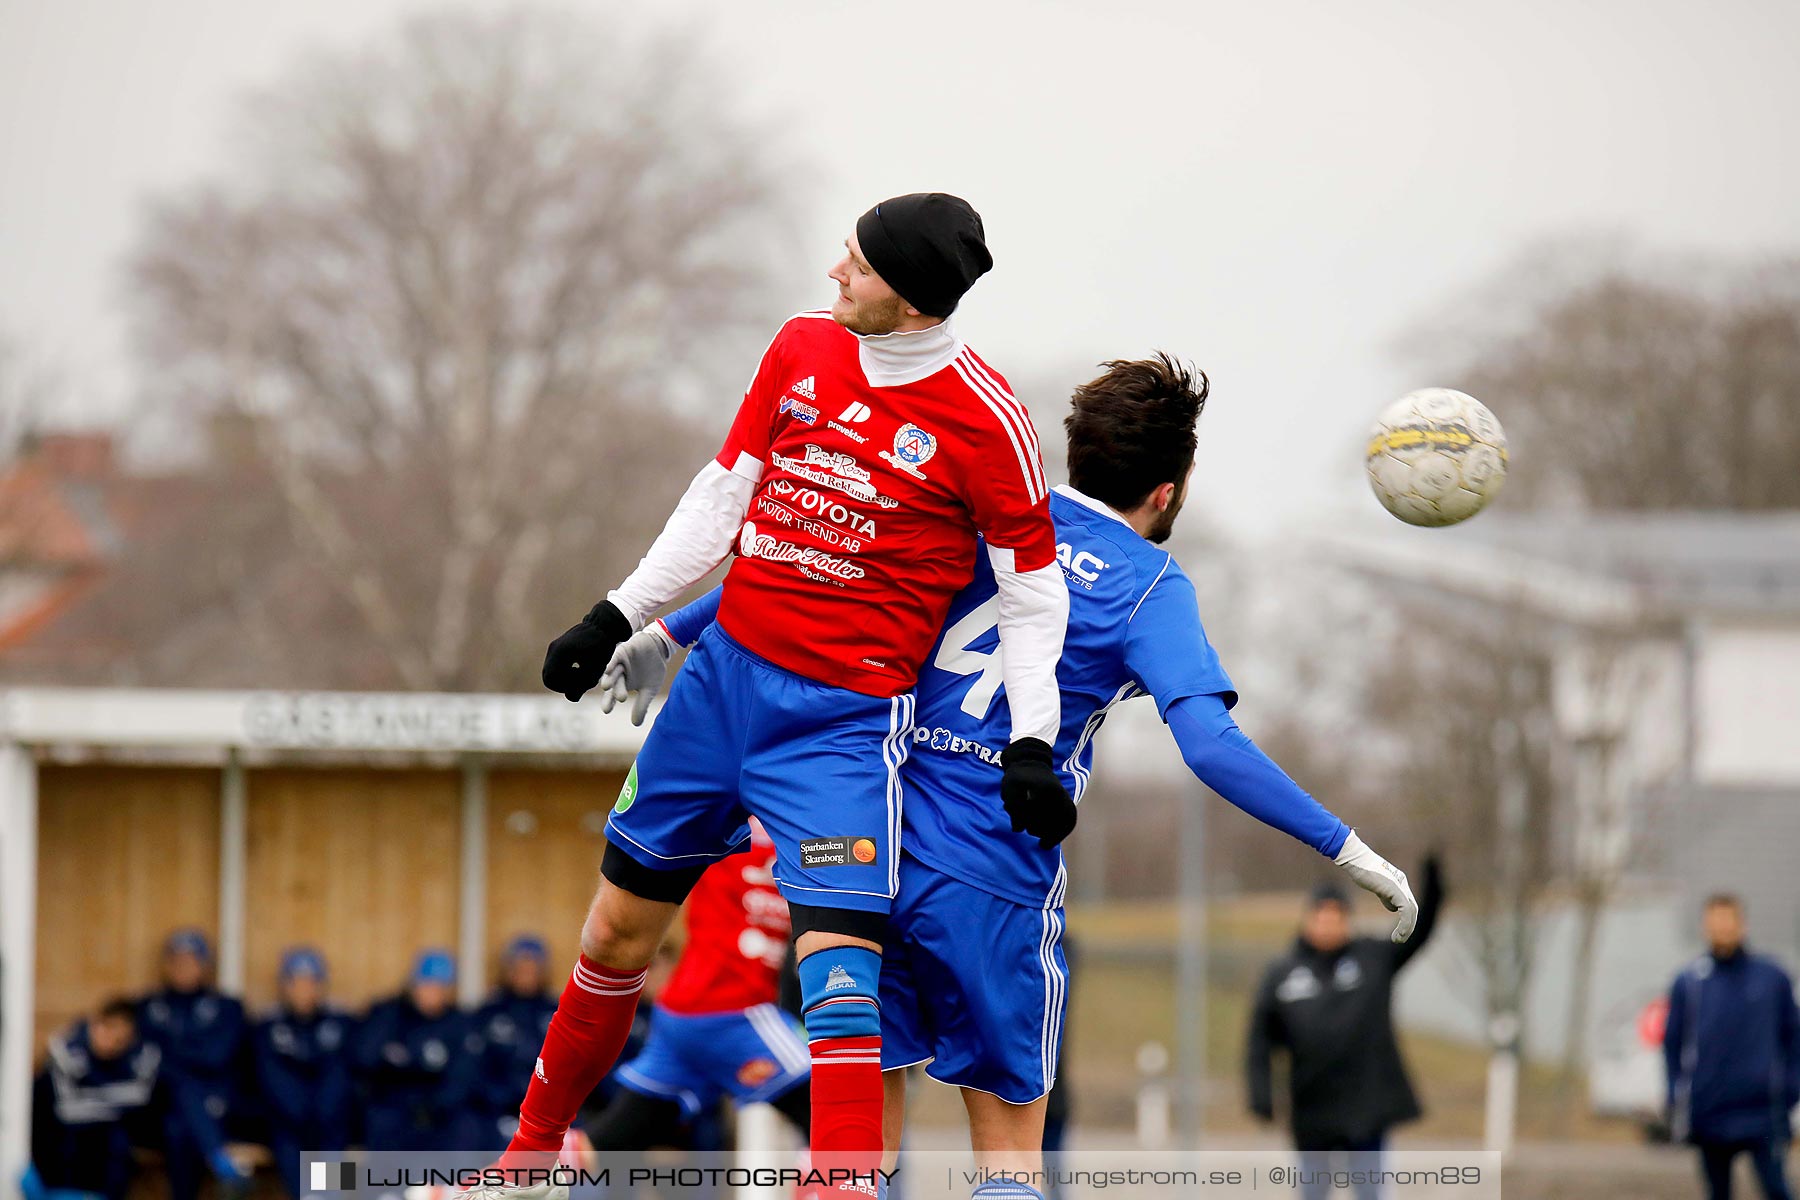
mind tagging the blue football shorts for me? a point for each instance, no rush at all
(753, 1056)
(975, 985)
(819, 766)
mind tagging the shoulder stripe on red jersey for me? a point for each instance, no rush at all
(1035, 454)
(1005, 393)
(815, 314)
(1010, 417)
(1011, 403)
(1012, 434)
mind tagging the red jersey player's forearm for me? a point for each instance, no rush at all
(1034, 614)
(1012, 511)
(696, 539)
(701, 530)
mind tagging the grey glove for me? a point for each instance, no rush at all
(1373, 873)
(637, 669)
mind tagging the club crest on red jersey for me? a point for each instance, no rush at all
(913, 448)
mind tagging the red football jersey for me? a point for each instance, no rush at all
(863, 525)
(737, 937)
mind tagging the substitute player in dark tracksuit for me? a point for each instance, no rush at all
(97, 1077)
(416, 1057)
(302, 1055)
(1329, 1003)
(204, 1038)
(1732, 1049)
(512, 1026)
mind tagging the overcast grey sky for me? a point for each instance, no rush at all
(1272, 189)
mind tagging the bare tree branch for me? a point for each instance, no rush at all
(456, 284)
(1630, 383)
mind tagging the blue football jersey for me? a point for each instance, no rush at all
(1134, 629)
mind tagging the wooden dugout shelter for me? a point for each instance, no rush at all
(369, 825)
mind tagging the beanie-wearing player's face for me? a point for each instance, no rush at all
(865, 304)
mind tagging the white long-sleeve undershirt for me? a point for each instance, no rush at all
(1034, 614)
(698, 536)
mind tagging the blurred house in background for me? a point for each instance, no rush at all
(64, 511)
(1674, 695)
(1700, 697)
(186, 576)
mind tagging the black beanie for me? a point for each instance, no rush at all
(1328, 892)
(927, 246)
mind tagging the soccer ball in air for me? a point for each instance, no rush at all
(1436, 457)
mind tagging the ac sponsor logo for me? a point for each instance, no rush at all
(752, 543)
(834, 470)
(946, 742)
(913, 448)
(1080, 566)
(848, 432)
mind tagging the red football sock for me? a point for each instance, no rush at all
(846, 1104)
(592, 1021)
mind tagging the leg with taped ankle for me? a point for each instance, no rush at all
(839, 987)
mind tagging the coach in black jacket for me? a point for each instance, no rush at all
(1328, 1002)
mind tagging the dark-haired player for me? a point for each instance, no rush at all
(870, 450)
(987, 1012)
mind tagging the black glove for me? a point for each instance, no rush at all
(1033, 793)
(574, 661)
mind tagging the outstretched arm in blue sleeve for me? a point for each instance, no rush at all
(1224, 758)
